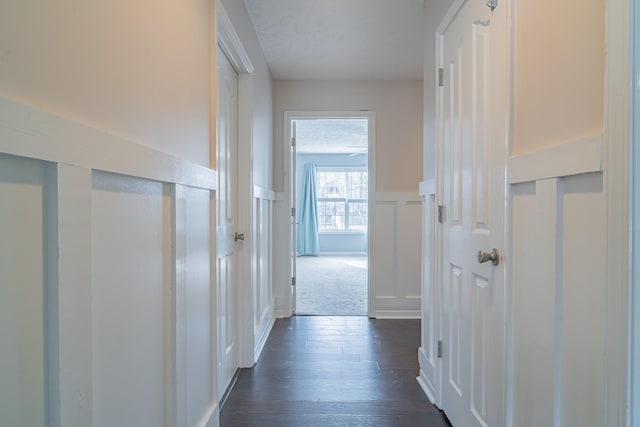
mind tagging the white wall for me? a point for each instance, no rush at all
(140, 71)
(398, 171)
(559, 103)
(260, 87)
(104, 131)
(556, 171)
(398, 108)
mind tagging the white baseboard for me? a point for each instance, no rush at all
(263, 339)
(212, 417)
(398, 314)
(342, 254)
(425, 383)
(281, 314)
(426, 388)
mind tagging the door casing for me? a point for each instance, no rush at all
(289, 116)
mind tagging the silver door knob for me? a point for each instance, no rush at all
(493, 256)
(239, 236)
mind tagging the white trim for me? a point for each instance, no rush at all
(262, 340)
(230, 42)
(178, 311)
(616, 145)
(358, 254)
(70, 224)
(571, 158)
(263, 193)
(211, 418)
(427, 386)
(427, 187)
(29, 132)
(633, 353)
(287, 309)
(398, 197)
(398, 314)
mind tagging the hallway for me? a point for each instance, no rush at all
(334, 371)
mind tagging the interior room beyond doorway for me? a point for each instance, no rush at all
(332, 190)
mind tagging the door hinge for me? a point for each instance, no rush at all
(440, 76)
(441, 217)
(293, 281)
(440, 349)
(293, 142)
(293, 211)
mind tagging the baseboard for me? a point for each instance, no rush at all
(281, 314)
(398, 314)
(211, 418)
(263, 339)
(342, 254)
(427, 386)
(227, 392)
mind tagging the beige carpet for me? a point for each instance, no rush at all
(331, 285)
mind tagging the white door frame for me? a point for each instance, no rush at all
(371, 116)
(621, 195)
(633, 227)
(231, 45)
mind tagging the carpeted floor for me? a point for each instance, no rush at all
(331, 285)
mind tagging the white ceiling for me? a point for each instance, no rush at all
(340, 39)
(331, 136)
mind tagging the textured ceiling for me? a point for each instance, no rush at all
(340, 39)
(331, 136)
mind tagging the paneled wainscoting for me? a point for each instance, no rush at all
(555, 287)
(333, 371)
(107, 297)
(394, 270)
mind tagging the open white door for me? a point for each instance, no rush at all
(293, 245)
(226, 222)
(473, 134)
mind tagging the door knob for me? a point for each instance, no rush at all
(239, 236)
(493, 256)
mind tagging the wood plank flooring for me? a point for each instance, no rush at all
(334, 371)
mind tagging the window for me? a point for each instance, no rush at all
(342, 199)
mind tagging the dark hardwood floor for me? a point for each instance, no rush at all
(334, 371)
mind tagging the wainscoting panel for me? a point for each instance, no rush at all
(394, 259)
(131, 253)
(24, 190)
(108, 290)
(199, 306)
(557, 312)
(262, 273)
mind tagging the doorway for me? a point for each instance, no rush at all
(330, 196)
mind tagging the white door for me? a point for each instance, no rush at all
(472, 144)
(293, 245)
(226, 163)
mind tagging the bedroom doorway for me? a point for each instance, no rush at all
(331, 187)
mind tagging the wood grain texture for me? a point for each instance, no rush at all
(334, 371)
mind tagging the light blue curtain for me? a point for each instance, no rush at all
(308, 241)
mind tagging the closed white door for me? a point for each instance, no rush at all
(226, 163)
(472, 144)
